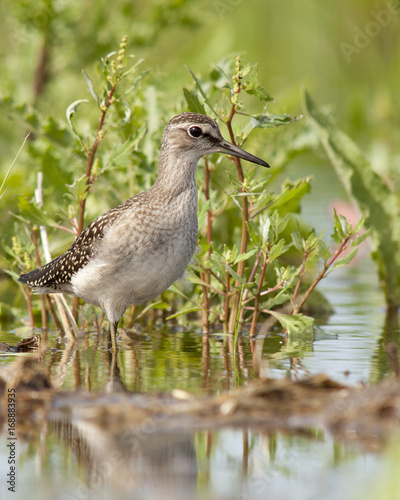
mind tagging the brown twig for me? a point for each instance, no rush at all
(302, 270)
(278, 286)
(245, 215)
(207, 197)
(206, 273)
(53, 313)
(89, 177)
(208, 285)
(321, 275)
(91, 156)
(206, 303)
(217, 277)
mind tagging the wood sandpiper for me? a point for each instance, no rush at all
(134, 252)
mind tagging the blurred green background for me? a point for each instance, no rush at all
(295, 43)
(346, 53)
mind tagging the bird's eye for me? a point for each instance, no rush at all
(195, 131)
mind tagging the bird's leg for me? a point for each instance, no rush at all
(113, 333)
(114, 383)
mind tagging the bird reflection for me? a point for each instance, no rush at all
(138, 462)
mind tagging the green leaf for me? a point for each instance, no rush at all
(136, 80)
(120, 153)
(186, 311)
(277, 250)
(245, 256)
(233, 273)
(361, 238)
(271, 120)
(258, 91)
(35, 215)
(289, 199)
(78, 188)
(90, 86)
(279, 299)
(193, 102)
(204, 95)
(377, 203)
(70, 111)
(255, 238)
(134, 67)
(203, 209)
(153, 305)
(323, 251)
(338, 234)
(344, 225)
(295, 324)
(297, 239)
(267, 232)
(252, 86)
(124, 109)
(198, 281)
(31, 119)
(344, 260)
(360, 225)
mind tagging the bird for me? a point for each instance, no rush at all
(134, 252)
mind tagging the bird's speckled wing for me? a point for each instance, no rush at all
(60, 270)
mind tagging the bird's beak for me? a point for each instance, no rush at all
(229, 149)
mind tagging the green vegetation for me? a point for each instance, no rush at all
(96, 136)
(234, 281)
(378, 202)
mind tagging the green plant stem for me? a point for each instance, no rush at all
(226, 305)
(2, 189)
(257, 302)
(236, 331)
(90, 159)
(42, 298)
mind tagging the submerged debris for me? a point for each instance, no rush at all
(28, 344)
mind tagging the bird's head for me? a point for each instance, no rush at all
(193, 135)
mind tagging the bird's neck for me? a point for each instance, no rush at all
(176, 174)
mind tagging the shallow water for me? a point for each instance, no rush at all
(201, 465)
(79, 459)
(75, 459)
